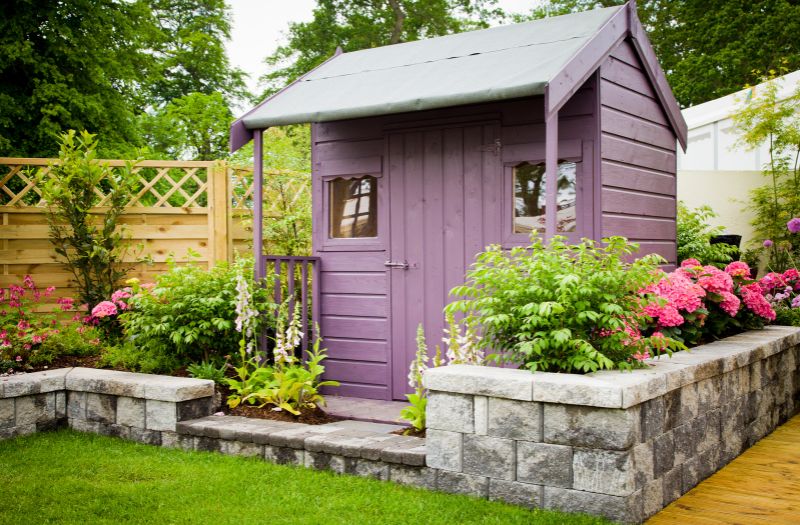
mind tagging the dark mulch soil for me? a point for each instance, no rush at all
(66, 361)
(316, 416)
(410, 431)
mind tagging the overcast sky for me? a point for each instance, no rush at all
(259, 25)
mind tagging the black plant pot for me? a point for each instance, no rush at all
(733, 240)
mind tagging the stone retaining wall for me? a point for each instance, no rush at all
(141, 407)
(618, 444)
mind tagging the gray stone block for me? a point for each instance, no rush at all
(672, 485)
(33, 409)
(481, 380)
(643, 462)
(453, 412)
(603, 471)
(34, 383)
(147, 437)
(323, 461)
(195, 408)
(397, 452)
(130, 412)
(366, 468)
(544, 464)
(417, 476)
(672, 409)
(515, 419)
(652, 497)
(481, 417)
(488, 456)
(81, 425)
(654, 418)
(238, 448)
(690, 402)
(76, 405)
(756, 376)
(624, 509)
(638, 385)
(573, 389)
(372, 448)
(114, 430)
(207, 444)
(458, 483)
(686, 441)
(415, 456)
(522, 494)
(709, 392)
(712, 431)
(284, 455)
(7, 413)
(444, 449)
(663, 454)
(160, 415)
(612, 429)
(109, 382)
(101, 408)
(175, 440)
(61, 405)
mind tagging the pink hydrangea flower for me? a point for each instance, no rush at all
(104, 309)
(119, 295)
(730, 303)
(738, 269)
(715, 280)
(690, 263)
(756, 302)
(791, 275)
(641, 356)
(771, 281)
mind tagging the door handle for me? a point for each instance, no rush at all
(395, 264)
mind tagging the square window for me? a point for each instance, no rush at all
(530, 197)
(353, 207)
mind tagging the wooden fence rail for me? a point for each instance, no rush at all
(178, 208)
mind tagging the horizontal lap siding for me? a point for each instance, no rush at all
(638, 157)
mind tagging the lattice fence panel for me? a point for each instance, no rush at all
(295, 186)
(158, 185)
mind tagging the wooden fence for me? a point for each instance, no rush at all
(178, 207)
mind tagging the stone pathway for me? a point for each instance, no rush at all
(374, 410)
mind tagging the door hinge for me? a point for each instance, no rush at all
(494, 147)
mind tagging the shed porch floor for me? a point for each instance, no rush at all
(373, 410)
(761, 486)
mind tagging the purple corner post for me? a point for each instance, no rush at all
(551, 174)
(258, 204)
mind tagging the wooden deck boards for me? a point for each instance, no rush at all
(760, 487)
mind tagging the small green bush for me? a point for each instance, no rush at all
(561, 308)
(694, 237)
(189, 316)
(72, 339)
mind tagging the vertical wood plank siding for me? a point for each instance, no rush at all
(446, 192)
(637, 157)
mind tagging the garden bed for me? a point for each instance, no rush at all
(612, 443)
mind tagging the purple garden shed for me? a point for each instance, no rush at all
(426, 152)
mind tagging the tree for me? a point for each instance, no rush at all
(710, 49)
(100, 64)
(362, 24)
(193, 126)
(71, 65)
(191, 51)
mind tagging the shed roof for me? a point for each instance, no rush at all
(499, 63)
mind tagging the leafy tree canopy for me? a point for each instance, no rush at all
(362, 24)
(99, 64)
(713, 48)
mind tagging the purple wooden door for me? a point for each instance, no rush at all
(445, 191)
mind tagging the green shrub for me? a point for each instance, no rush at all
(206, 370)
(694, 236)
(189, 316)
(73, 339)
(561, 308)
(90, 244)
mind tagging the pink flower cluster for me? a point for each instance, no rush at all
(754, 299)
(104, 309)
(121, 296)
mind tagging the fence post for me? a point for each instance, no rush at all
(219, 224)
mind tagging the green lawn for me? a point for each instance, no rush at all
(69, 477)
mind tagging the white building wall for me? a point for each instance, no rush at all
(715, 169)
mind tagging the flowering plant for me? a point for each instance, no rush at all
(697, 302)
(563, 308)
(23, 330)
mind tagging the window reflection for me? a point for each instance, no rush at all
(353, 208)
(530, 197)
